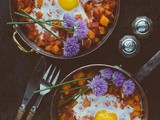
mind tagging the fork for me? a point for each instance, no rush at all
(45, 84)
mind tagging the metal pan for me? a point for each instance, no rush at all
(137, 78)
(34, 47)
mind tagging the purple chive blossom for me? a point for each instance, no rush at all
(80, 29)
(118, 78)
(106, 73)
(98, 85)
(68, 20)
(71, 47)
(128, 87)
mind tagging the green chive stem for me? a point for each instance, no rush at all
(72, 89)
(57, 85)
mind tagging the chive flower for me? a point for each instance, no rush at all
(128, 87)
(106, 73)
(80, 29)
(118, 78)
(71, 47)
(98, 85)
(68, 20)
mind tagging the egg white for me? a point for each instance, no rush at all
(99, 103)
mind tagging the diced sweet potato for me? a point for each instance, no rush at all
(131, 102)
(102, 30)
(41, 43)
(136, 98)
(79, 75)
(64, 117)
(78, 16)
(89, 7)
(96, 40)
(39, 15)
(86, 103)
(82, 82)
(101, 9)
(55, 48)
(91, 34)
(109, 14)
(49, 48)
(137, 107)
(136, 113)
(104, 21)
(39, 3)
(93, 24)
(66, 87)
(106, 6)
(28, 9)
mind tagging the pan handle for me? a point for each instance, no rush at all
(148, 67)
(19, 45)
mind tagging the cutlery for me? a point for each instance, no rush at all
(45, 84)
(32, 85)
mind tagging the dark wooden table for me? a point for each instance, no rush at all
(16, 66)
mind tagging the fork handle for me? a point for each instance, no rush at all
(32, 113)
(20, 113)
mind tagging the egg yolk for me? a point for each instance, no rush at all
(68, 4)
(105, 115)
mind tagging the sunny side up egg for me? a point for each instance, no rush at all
(68, 4)
(56, 10)
(101, 108)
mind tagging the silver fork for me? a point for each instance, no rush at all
(45, 84)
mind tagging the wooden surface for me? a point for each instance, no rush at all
(16, 66)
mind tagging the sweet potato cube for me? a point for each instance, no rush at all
(86, 103)
(79, 75)
(131, 102)
(104, 21)
(96, 40)
(49, 48)
(78, 16)
(28, 9)
(55, 48)
(66, 87)
(102, 30)
(41, 43)
(64, 117)
(107, 7)
(137, 107)
(81, 82)
(136, 113)
(89, 7)
(40, 2)
(136, 98)
(91, 34)
(39, 14)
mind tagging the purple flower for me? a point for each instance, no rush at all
(128, 87)
(68, 20)
(98, 85)
(80, 29)
(106, 73)
(118, 78)
(71, 47)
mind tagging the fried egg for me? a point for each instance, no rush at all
(102, 108)
(55, 9)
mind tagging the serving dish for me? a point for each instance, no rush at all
(130, 100)
(94, 38)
